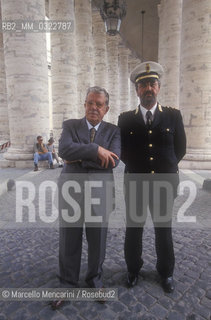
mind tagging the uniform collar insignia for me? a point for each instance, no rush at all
(160, 108)
(136, 110)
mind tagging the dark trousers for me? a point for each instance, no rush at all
(138, 200)
(70, 248)
(70, 233)
(163, 245)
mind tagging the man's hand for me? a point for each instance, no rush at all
(106, 156)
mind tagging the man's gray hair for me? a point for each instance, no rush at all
(99, 90)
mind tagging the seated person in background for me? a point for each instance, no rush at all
(41, 153)
(50, 147)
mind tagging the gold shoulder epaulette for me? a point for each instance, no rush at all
(171, 107)
(160, 107)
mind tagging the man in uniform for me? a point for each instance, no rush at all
(153, 142)
(90, 148)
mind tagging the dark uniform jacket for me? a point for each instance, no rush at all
(157, 149)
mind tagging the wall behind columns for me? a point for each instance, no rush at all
(170, 19)
(112, 43)
(84, 47)
(99, 49)
(133, 98)
(63, 66)
(123, 78)
(195, 79)
(4, 122)
(27, 79)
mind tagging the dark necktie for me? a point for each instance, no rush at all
(92, 134)
(149, 118)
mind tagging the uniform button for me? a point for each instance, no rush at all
(150, 131)
(131, 132)
(151, 158)
(152, 171)
(167, 129)
(150, 145)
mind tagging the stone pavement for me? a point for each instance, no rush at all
(29, 259)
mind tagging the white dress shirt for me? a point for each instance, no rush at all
(144, 111)
(91, 126)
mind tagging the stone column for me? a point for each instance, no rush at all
(123, 78)
(99, 47)
(63, 66)
(195, 79)
(112, 43)
(133, 98)
(85, 74)
(4, 123)
(27, 79)
(170, 14)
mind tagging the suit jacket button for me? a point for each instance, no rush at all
(150, 131)
(151, 158)
(131, 132)
(150, 145)
(167, 129)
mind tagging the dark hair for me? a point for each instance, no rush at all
(98, 90)
(38, 137)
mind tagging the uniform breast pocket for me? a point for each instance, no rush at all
(167, 135)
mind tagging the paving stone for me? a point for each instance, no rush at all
(118, 306)
(206, 302)
(67, 310)
(148, 300)
(208, 294)
(107, 315)
(34, 306)
(124, 315)
(138, 308)
(47, 313)
(181, 307)
(202, 311)
(127, 299)
(167, 302)
(20, 314)
(174, 315)
(194, 317)
(148, 316)
(12, 307)
(34, 317)
(159, 311)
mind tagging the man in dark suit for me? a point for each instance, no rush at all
(153, 142)
(90, 148)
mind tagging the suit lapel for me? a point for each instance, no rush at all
(138, 116)
(83, 131)
(100, 132)
(158, 116)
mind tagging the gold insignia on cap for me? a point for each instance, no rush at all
(160, 108)
(148, 68)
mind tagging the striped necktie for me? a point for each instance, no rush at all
(149, 118)
(92, 134)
